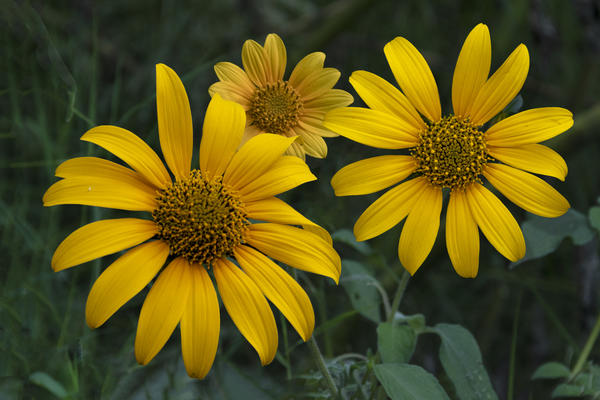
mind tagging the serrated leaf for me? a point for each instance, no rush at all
(396, 342)
(461, 359)
(409, 382)
(360, 287)
(568, 390)
(347, 237)
(594, 217)
(44, 380)
(551, 370)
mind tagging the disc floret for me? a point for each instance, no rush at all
(275, 107)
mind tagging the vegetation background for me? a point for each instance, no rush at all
(69, 65)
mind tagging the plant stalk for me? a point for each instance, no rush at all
(318, 358)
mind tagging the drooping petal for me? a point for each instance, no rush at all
(333, 98)
(530, 126)
(414, 77)
(231, 73)
(200, 324)
(388, 210)
(535, 158)
(372, 174)
(381, 95)
(285, 174)
(277, 55)
(318, 83)
(296, 247)
(472, 69)
(101, 238)
(256, 63)
(279, 288)
(527, 191)
(502, 87)
(462, 236)
(371, 127)
(174, 121)
(162, 309)
(420, 229)
(222, 133)
(306, 66)
(131, 149)
(248, 309)
(94, 167)
(123, 279)
(496, 222)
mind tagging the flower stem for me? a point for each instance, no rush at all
(399, 294)
(318, 358)
(586, 350)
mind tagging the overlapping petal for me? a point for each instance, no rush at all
(256, 63)
(462, 236)
(277, 56)
(306, 66)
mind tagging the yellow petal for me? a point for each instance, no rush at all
(101, 238)
(381, 95)
(314, 145)
(502, 87)
(131, 149)
(123, 279)
(230, 91)
(306, 66)
(256, 156)
(200, 324)
(420, 229)
(297, 150)
(247, 308)
(527, 191)
(279, 288)
(333, 98)
(372, 174)
(318, 83)
(222, 133)
(496, 222)
(277, 55)
(472, 69)
(388, 210)
(174, 121)
(315, 126)
(94, 167)
(414, 77)
(162, 309)
(462, 236)
(231, 73)
(371, 127)
(296, 247)
(535, 158)
(530, 126)
(256, 63)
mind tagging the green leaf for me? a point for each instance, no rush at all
(544, 235)
(44, 380)
(594, 216)
(361, 288)
(409, 382)
(396, 342)
(461, 359)
(551, 370)
(568, 390)
(347, 237)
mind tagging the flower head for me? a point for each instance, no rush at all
(453, 152)
(293, 107)
(201, 221)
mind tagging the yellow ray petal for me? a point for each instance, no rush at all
(232, 92)
(371, 127)
(123, 279)
(381, 95)
(372, 174)
(162, 309)
(222, 133)
(296, 247)
(388, 210)
(256, 63)
(527, 191)
(496, 222)
(279, 288)
(131, 149)
(231, 73)
(530, 126)
(94, 167)
(462, 236)
(502, 87)
(247, 308)
(333, 98)
(277, 55)
(318, 83)
(306, 66)
(297, 150)
(101, 238)
(200, 324)
(420, 229)
(314, 145)
(414, 77)
(174, 121)
(315, 126)
(535, 158)
(472, 69)
(256, 156)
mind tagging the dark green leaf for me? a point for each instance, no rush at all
(361, 288)
(44, 380)
(347, 237)
(396, 342)
(594, 216)
(568, 390)
(551, 370)
(409, 382)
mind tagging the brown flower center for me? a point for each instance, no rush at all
(275, 107)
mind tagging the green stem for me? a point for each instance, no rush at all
(318, 358)
(398, 296)
(586, 350)
(513, 350)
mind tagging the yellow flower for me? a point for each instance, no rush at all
(293, 107)
(452, 151)
(202, 219)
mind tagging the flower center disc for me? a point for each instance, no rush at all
(200, 220)
(451, 153)
(275, 108)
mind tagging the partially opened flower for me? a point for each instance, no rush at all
(293, 107)
(201, 221)
(452, 152)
